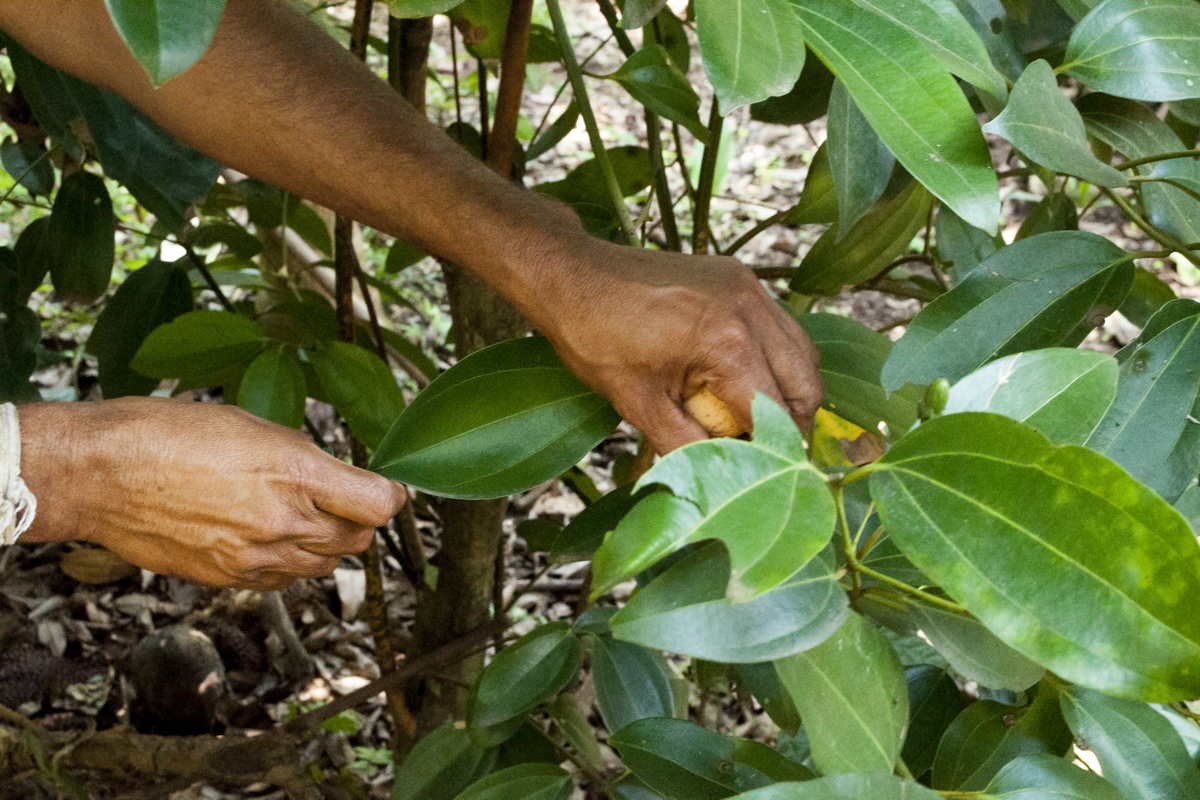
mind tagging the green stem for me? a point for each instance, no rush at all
(778, 218)
(589, 120)
(1171, 181)
(701, 232)
(839, 499)
(1137, 162)
(921, 594)
(1153, 231)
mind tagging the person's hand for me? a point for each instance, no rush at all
(202, 491)
(649, 329)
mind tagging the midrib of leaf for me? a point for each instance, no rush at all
(1065, 389)
(1146, 40)
(1014, 525)
(869, 86)
(1106, 31)
(658, 757)
(428, 397)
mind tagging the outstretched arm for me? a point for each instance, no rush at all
(276, 98)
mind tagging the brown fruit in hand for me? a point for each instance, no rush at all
(712, 413)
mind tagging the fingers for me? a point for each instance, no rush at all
(353, 494)
(737, 380)
(665, 424)
(333, 536)
(795, 362)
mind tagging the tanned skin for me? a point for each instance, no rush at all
(208, 493)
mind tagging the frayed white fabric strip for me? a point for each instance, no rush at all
(18, 506)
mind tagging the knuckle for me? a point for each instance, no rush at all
(361, 540)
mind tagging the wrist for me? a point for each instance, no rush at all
(51, 469)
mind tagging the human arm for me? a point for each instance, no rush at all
(206, 492)
(276, 98)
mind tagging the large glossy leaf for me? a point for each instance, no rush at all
(650, 77)
(934, 701)
(1047, 777)
(1040, 121)
(1054, 212)
(164, 175)
(850, 692)
(274, 387)
(960, 246)
(441, 764)
(852, 356)
(1151, 428)
(196, 345)
(81, 238)
(1062, 393)
(910, 100)
(522, 677)
(974, 652)
(679, 759)
(818, 200)
(887, 229)
(762, 499)
(763, 682)
(685, 610)
(526, 781)
(1133, 130)
(632, 682)
(860, 162)
(32, 253)
(1044, 291)
(1140, 49)
(808, 99)
(1033, 539)
(152, 296)
(948, 35)
(752, 49)
(875, 785)
(987, 735)
(166, 36)
(503, 419)
(1139, 751)
(361, 387)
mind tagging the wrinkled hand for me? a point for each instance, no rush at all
(206, 492)
(649, 329)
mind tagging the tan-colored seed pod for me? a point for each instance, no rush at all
(712, 413)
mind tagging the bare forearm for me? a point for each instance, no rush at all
(276, 98)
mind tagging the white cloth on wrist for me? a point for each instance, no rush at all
(18, 506)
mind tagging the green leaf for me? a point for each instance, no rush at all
(558, 130)
(1045, 291)
(1140, 49)
(196, 345)
(20, 332)
(1054, 212)
(1047, 777)
(1062, 393)
(933, 702)
(763, 682)
(1040, 121)
(586, 532)
(910, 100)
(152, 296)
(948, 35)
(637, 13)
(851, 694)
(26, 160)
(1032, 539)
(585, 191)
(522, 677)
(166, 36)
(685, 610)
(526, 781)
(650, 77)
(416, 9)
(1188, 505)
(503, 419)
(164, 175)
(81, 238)
(960, 246)
(875, 786)
(852, 356)
(361, 387)
(807, 101)
(483, 25)
(1139, 751)
(682, 760)
(274, 388)
(818, 200)
(1147, 295)
(752, 49)
(885, 232)
(33, 255)
(632, 682)
(1151, 428)
(861, 164)
(1133, 130)
(973, 651)
(440, 765)
(763, 499)
(987, 735)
